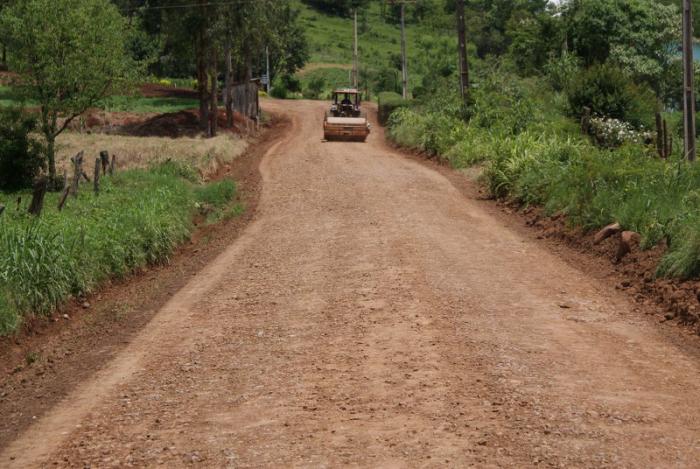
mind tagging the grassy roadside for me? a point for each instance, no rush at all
(533, 154)
(138, 219)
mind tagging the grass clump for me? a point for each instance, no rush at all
(138, 219)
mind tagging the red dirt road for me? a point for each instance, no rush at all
(372, 315)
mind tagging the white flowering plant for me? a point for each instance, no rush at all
(611, 133)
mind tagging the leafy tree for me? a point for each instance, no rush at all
(637, 35)
(290, 49)
(69, 54)
(534, 38)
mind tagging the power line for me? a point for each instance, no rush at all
(192, 5)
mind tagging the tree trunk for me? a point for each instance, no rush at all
(246, 81)
(202, 79)
(51, 157)
(4, 55)
(228, 85)
(202, 82)
(213, 93)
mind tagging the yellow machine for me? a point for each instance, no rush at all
(345, 120)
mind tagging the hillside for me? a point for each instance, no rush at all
(331, 39)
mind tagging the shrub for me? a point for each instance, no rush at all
(21, 157)
(315, 87)
(388, 103)
(279, 91)
(613, 133)
(561, 70)
(291, 83)
(608, 92)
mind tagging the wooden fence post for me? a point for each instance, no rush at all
(64, 197)
(113, 165)
(77, 173)
(40, 187)
(98, 163)
(104, 160)
(586, 121)
(664, 142)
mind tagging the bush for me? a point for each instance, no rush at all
(292, 83)
(561, 70)
(608, 92)
(279, 91)
(315, 87)
(21, 157)
(388, 103)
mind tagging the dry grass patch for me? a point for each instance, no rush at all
(206, 155)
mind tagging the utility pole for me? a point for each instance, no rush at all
(404, 60)
(267, 65)
(688, 83)
(463, 60)
(354, 56)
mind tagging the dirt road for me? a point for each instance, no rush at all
(373, 316)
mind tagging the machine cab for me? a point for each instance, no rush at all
(346, 103)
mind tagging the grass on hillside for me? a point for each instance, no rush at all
(143, 105)
(138, 219)
(331, 39)
(136, 104)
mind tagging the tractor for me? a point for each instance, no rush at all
(345, 120)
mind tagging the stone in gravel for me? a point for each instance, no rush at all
(86, 305)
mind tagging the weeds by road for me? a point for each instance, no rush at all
(138, 219)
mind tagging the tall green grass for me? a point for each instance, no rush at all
(138, 219)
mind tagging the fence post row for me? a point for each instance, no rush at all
(41, 184)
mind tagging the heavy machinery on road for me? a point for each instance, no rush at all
(345, 120)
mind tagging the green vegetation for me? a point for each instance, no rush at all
(10, 97)
(329, 34)
(69, 56)
(138, 219)
(388, 103)
(141, 104)
(21, 156)
(544, 160)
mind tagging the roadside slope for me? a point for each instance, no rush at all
(372, 315)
